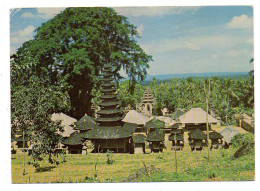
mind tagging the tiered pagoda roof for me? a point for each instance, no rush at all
(147, 98)
(110, 114)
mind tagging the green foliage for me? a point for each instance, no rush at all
(31, 109)
(227, 96)
(130, 99)
(240, 140)
(109, 157)
(70, 50)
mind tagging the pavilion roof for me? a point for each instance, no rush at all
(155, 135)
(196, 115)
(66, 121)
(154, 123)
(116, 132)
(86, 123)
(135, 117)
(139, 138)
(74, 139)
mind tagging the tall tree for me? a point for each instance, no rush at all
(71, 49)
(31, 108)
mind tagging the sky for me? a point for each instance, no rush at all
(196, 39)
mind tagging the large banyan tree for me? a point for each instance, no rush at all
(70, 50)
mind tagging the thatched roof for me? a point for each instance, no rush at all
(110, 103)
(155, 135)
(109, 119)
(196, 115)
(107, 84)
(139, 138)
(109, 111)
(116, 132)
(111, 96)
(197, 134)
(228, 133)
(179, 137)
(135, 117)
(174, 125)
(167, 120)
(154, 123)
(215, 135)
(108, 90)
(66, 121)
(86, 123)
(74, 139)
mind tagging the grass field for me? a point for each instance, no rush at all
(192, 166)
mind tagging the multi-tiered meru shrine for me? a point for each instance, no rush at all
(112, 133)
(146, 106)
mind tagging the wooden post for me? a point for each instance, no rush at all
(23, 155)
(175, 140)
(207, 120)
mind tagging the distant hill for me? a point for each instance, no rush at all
(170, 76)
(167, 77)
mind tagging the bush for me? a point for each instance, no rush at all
(243, 139)
(244, 143)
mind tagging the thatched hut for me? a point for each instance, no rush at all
(246, 122)
(156, 135)
(85, 123)
(74, 143)
(216, 140)
(168, 123)
(137, 118)
(228, 133)
(66, 121)
(112, 138)
(197, 139)
(139, 142)
(196, 118)
(177, 138)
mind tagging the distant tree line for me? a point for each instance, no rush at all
(228, 96)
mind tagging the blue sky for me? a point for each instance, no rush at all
(180, 39)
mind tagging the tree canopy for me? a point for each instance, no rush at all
(227, 96)
(70, 50)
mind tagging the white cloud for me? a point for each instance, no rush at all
(241, 22)
(214, 56)
(48, 13)
(250, 41)
(27, 15)
(140, 29)
(193, 43)
(153, 11)
(27, 32)
(234, 53)
(18, 37)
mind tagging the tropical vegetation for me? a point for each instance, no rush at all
(228, 96)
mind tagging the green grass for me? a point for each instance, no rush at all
(192, 166)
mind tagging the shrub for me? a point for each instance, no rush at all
(243, 139)
(244, 144)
